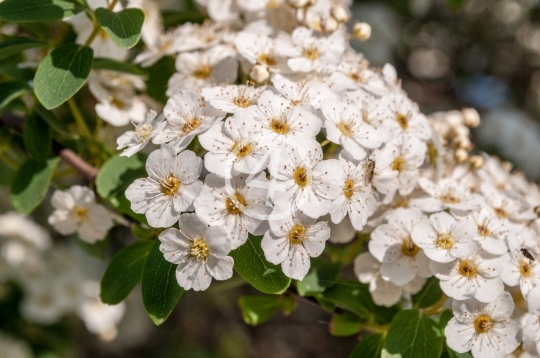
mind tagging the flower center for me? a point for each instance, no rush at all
(199, 249)
(467, 269)
(191, 125)
(348, 189)
(279, 126)
(170, 185)
(445, 241)
(267, 59)
(345, 128)
(143, 132)
(356, 77)
(525, 268)
(398, 164)
(501, 213)
(311, 53)
(234, 207)
(483, 230)
(202, 72)
(242, 101)
(301, 177)
(483, 324)
(297, 234)
(80, 213)
(402, 120)
(117, 102)
(449, 198)
(409, 248)
(241, 150)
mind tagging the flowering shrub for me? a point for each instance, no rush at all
(281, 155)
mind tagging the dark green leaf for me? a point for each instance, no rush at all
(62, 73)
(31, 184)
(124, 272)
(125, 67)
(97, 249)
(7, 174)
(37, 138)
(52, 120)
(124, 27)
(37, 10)
(369, 347)
(322, 274)
(456, 4)
(159, 74)
(11, 47)
(250, 263)
(259, 309)
(11, 90)
(345, 324)
(177, 18)
(160, 290)
(143, 231)
(413, 335)
(429, 295)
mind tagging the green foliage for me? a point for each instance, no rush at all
(31, 184)
(369, 347)
(37, 138)
(124, 67)
(250, 263)
(37, 10)
(52, 120)
(124, 27)
(429, 295)
(10, 90)
(259, 309)
(322, 274)
(143, 232)
(62, 73)
(345, 324)
(11, 47)
(160, 290)
(97, 249)
(159, 74)
(413, 335)
(124, 272)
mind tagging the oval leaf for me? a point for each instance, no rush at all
(345, 324)
(37, 10)
(10, 90)
(37, 138)
(97, 249)
(250, 263)
(160, 290)
(429, 295)
(413, 335)
(11, 47)
(124, 272)
(259, 309)
(124, 27)
(322, 274)
(108, 64)
(62, 73)
(369, 347)
(31, 183)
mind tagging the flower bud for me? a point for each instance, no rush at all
(329, 25)
(362, 31)
(476, 162)
(339, 13)
(461, 155)
(471, 118)
(259, 74)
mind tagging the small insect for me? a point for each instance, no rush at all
(527, 254)
(370, 170)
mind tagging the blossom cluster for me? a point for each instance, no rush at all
(276, 127)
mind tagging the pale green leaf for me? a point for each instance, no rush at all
(124, 27)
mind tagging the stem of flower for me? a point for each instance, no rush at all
(79, 119)
(436, 308)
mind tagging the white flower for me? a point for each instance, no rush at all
(531, 329)
(505, 207)
(235, 205)
(171, 187)
(162, 44)
(491, 231)
(199, 250)
(445, 239)
(392, 245)
(375, 111)
(487, 330)
(308, 181)
(259, 49)
(233, 98)
(43, 302)
(353, 73)
(76, 211)
(307, 92)
(292, 241)
(519, 269)
(345, 126)
(473, 276)
(136, 140)
(408, 121)
(447, 193)
(187, 116)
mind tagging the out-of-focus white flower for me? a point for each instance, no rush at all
(531, 329)
(76, 211)
(136, 140)
(447, 193)
(14, 348)
(233, 98)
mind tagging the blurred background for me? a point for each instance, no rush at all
(450, 54)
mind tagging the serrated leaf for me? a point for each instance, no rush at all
(97, 249)
(369, 347)
(37, 10)
(413, 335)
(37, 138)
(258, 309)
(124, 272)
(250, 263)
(13, 46)
(429, 295)
(160, 290)
(62, 73)
(124, 27)
(31, 183)
(10, 90)
(322, 274)
(345, 324)
(124, 67)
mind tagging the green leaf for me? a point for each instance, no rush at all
(124, 272)
(125, 67)
(62, 73)
(124, 27)
(7, 174)
(37, 10)
(429, 295)
(413, 335)
(322, 274)
(259, 309)
(159, 74)
(37, 138)
(13, 46)
(250, 263)
(456, 4)
(345, 324)
(31, 183)
(52, 120)
(369, 347)
(143, 231)
(160, 290)
(10, 90)
(97, 249)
